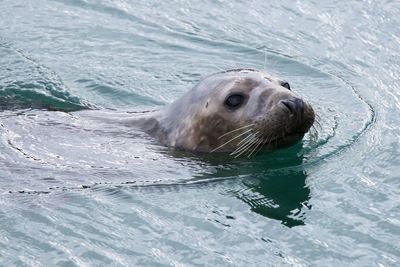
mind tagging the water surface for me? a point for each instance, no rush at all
(76, 191)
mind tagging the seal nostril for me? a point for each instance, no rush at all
(299, 104)
(295, 105)
(289, 105)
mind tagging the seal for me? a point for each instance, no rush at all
(240, 111)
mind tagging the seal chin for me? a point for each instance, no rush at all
(288, 140)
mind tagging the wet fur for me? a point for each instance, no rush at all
(199, 121)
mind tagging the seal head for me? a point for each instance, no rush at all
(238, 111)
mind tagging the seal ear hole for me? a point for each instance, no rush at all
(285, 84)
(234, 101)
(207, 104)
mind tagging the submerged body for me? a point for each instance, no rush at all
(237, 111)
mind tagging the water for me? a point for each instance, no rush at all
(75, 191)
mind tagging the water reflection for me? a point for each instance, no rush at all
(273, 184)
(279, 196)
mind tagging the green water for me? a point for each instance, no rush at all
(77, 191)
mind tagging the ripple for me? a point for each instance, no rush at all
(343, 115)
(28, 84)
(88, 191)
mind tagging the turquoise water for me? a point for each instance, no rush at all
(78, 191)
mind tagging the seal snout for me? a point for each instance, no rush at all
(299, 113)
(293, 105)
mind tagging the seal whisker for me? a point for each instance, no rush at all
(313, 133)
(230, 140)
(254, 143)
(243, 149)
(281, 136)
(246, 143)
(313, 130)
(270, 139)
(259, 140)
(236, 130)
(262, 145)
(316, 121)
(265, 140)
(245, 146)
(255, 148)
(244, 140)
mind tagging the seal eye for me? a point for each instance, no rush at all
(234, 101)
(285, 84)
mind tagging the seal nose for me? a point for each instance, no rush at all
(294, 105)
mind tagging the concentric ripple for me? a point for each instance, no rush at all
(78, 189)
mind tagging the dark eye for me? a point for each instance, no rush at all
(234, 101)
(285, 84)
